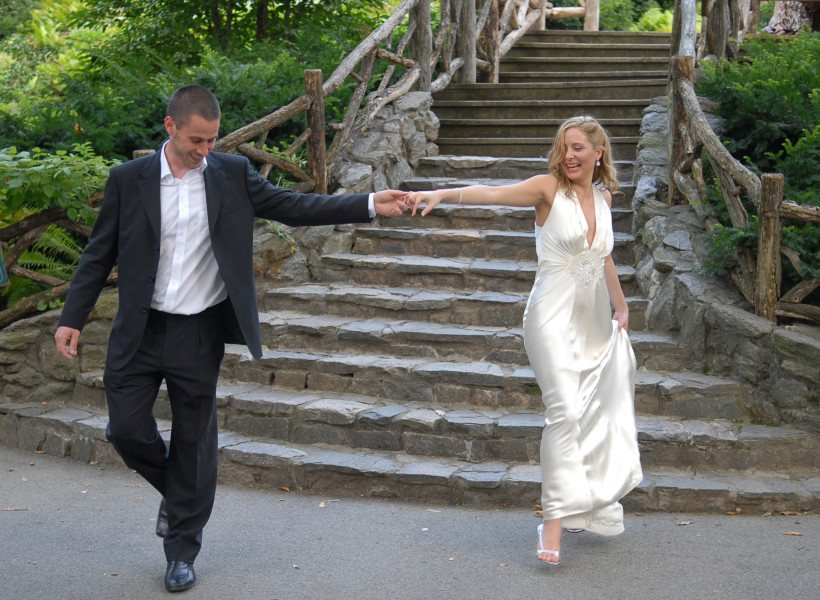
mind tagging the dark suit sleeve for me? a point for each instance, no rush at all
(97, 261)
(295, 209)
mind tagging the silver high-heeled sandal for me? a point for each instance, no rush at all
(554, 553)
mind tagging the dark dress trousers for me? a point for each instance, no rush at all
(146, 346)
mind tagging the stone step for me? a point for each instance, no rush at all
(311, 331)
(623, 148)
(621, 199)
(539, 109)
(446, 307)
(479, 384)
(441, 273)
(560, 64)
(525, 128)
(594, 50)
(264, 462)
(478, 435)
(610, 38)
(499, 167)
(579, 77)
(583, 90)
(466, 243)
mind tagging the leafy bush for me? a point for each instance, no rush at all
(654, 19)
(770, 101)
(13, 13)
(36, 180)
(616, 15)
(769, 96)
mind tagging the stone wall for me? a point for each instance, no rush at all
(714, 323)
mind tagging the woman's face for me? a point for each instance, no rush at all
(579, 156)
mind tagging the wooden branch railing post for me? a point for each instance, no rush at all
(317, 152)
(468, 42)
(541, 23)
(681, 67)
(768, 248)
(421, 44)
(592, 10)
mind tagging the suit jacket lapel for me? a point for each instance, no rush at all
(149, 192)
(214, 184)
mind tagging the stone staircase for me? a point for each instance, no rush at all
(549, 76)
(400, 371)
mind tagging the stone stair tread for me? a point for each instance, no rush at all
(470, 372)
(272, 463)
(614, 60)
(432, 264)
(599, 76)
(515, 141)
(411, 330)
(531, 104)
(539, 122)
(486, 87)
(604, 47)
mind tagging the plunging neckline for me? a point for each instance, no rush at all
(577, 200)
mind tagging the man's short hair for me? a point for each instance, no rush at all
(191, 100)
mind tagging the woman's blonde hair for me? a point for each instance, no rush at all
(604, 174)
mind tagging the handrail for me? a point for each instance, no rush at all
(759, 281)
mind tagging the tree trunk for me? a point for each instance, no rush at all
(261, 20)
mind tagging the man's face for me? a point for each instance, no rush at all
(189, 144)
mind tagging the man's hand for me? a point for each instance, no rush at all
(67, 339)
(390, 203)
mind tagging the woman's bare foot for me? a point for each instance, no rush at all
(549, 542)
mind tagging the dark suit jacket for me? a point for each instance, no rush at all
(128, 232)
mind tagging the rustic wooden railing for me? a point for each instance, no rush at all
(472, 37)
(759, 281)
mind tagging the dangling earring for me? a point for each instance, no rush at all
(597, 163)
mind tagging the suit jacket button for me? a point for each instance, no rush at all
(151, 278)
(145, 309)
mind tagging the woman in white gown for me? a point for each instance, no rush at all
(578, 347)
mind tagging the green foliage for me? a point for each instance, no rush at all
(654, 19)
(800, 165)
(771, 103)
(55, 253)
(107, 80)
(766, 13)
(616, 15)
(36, 180)
(772, 95)
(14, 13)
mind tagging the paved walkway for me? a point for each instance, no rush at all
(74, 531)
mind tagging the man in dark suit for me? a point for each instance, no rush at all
(179, 223)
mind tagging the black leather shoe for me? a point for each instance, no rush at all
(179, 576)
(162, 519)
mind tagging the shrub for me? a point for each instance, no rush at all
(770, 100)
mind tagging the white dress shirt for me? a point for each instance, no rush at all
(188, 279)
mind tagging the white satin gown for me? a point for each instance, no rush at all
(585, 368)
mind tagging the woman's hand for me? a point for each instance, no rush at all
(623, 319)
(431, 199)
